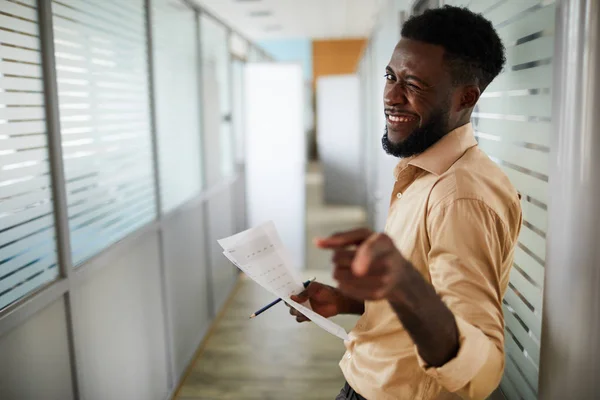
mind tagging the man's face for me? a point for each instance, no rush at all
(418, 98)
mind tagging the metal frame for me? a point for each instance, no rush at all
(71, 278)
(570, 354)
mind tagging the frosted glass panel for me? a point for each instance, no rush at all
(177, 99)
(513, 125)
(216, 64)
(27, 244)
(102, 70)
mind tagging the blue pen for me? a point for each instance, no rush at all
(265, 308)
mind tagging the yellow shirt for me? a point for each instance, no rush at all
(456, 217)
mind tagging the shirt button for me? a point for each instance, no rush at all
(348, 356)
(399, 195)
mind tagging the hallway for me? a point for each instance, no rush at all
(272, 357)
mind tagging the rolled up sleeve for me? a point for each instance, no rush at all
(467, 265)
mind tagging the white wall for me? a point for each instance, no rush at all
(339, 139)
(276, 151)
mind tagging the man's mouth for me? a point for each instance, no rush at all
(399, 119)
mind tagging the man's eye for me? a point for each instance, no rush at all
(389, 77)
(410, 85)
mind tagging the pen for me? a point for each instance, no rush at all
(265, 308)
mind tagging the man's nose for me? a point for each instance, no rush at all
(395, 94)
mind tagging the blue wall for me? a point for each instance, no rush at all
(295, 50)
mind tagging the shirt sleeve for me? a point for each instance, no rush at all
(467, 263)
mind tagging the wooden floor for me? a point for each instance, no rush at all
(272, 356)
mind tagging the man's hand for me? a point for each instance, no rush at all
(368, 266)
(326, 301)
(372, 271)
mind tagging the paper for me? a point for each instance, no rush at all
(260, 253)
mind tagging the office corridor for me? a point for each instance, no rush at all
(273, 357)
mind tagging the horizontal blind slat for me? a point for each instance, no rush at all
(537, 133)
(531, 159)
(533, 242)
(22, 113)
(530, 265)
(30, 199)
(18, 217)
(529, 291)
(18, 10)
(526, 365)
(31, 184)
(532, 23)
(36, 132)
(19, 39)
(525, 79)
(530, 319)
(29, 286)
(19, 25)
(20, 69)
(522, 335)
(40, 168)
(527, 185)
(525, 391)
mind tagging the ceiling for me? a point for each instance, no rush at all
(316, 19)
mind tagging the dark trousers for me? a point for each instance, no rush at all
(348, 393)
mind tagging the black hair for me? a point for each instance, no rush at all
(473, 49)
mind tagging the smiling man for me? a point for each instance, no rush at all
(429, 290)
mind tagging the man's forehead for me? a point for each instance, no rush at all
(417, 54)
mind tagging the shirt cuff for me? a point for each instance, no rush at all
(472, 354)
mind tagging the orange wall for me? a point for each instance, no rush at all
(336, 57)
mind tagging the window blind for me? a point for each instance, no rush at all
(513, 125)
(102, 73)
(27, 237)
(177, 98)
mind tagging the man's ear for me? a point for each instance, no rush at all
(469, 97)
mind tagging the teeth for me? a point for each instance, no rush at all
(395, 118)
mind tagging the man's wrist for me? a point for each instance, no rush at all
(347, 305)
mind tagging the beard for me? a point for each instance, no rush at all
(420, 139)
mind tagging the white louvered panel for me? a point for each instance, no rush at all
(523, 389)
(16, 24)
(530, 159)
(19, 69)
(177, 120)
(534, 242)
(535, 215)
(30, 132)
(17, 39)
(36, 281)
(534, 50)
(528, 290)
(21, 113)
(510, 9)
(531, 23)
(528, 106)
(529, 318)
(524, 362)
(522, 335)
(33, 169)
(535, 270)
(536, 133)
(531, 78)
(527, 185)
(21, 9)
(102, 76)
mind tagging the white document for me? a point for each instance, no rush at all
(260, 253)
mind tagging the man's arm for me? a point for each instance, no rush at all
(456, 321)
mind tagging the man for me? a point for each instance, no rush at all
(430, 289)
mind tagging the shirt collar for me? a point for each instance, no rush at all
(445, 152)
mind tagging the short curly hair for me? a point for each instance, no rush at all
(474, 51)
